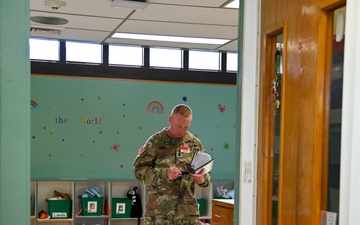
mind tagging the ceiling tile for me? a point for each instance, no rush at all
(96, 21)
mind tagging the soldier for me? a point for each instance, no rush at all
(163, 165)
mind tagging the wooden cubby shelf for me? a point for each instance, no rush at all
(41, 190)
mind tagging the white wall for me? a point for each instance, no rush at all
(249, 112)
(350, 140)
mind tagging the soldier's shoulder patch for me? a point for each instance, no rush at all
(141, 149)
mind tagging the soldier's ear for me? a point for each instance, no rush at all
(170, 119)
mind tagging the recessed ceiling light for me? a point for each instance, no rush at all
(49, 20)
(234, 4)
(130, 4)
(170, 38)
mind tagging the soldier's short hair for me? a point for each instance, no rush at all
(182, 109)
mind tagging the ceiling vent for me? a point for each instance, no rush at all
(49, 25)
(52, 30)
(130, 4)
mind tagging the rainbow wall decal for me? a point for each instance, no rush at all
(34, 104)
(155, 107)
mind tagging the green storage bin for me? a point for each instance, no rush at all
(92, 206)
(121, 207)
(59, 209)
(201, 205)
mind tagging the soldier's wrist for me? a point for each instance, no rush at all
(204, 184)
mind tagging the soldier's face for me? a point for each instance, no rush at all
(179, 125)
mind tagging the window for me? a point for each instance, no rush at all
(231, 61)
(204, 60)
(44, 49)
(165, 57)
(126, 55)
(83, 52)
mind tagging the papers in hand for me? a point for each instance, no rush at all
(201, 160)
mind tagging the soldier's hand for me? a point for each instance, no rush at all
(173, 173)
(198, 177)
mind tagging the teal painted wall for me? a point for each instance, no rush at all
(14, 113)
(93, 128)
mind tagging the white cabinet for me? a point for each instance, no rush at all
(44, 189)
(207, 194)
(100, 208)
(119, 190)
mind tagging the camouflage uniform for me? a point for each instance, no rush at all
(169, 200)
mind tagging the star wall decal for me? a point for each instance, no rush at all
(115, 147)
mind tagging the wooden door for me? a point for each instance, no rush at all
(299, 130)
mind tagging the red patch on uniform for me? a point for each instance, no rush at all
(141, 150)
(185, 148)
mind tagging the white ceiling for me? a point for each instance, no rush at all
(96, 21)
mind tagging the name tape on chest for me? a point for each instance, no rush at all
(185, 149)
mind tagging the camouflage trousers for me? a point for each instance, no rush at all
(174, 220)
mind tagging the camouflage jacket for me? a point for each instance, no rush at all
(168, 197)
